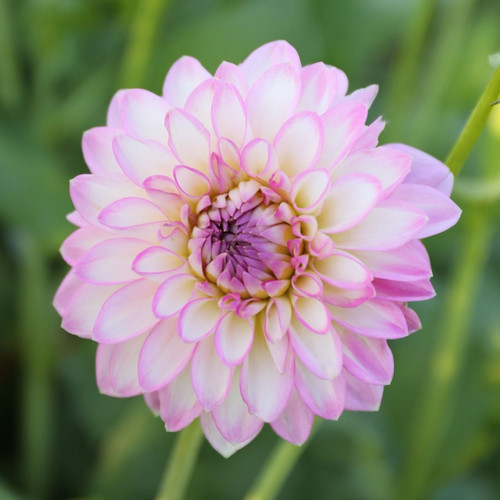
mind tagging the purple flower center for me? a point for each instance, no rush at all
(241, 244)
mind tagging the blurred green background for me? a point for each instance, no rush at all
(437, 434)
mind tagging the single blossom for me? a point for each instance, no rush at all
(245, 249)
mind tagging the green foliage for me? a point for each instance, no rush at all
(61, 62)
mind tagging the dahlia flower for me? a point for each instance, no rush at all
(245, 249)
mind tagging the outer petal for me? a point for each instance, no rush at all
(404, 291)
(179, 405)
(217, 440)
(210, 376)
(163, 356)
(121, 363)
(440, 210)
(228, 114)
(67, 288)
(198, 319)
(173, 294)
(295, 422)
(127, 313)
(110, 261)
(264, 389)
(299, 142)
(79, 242)
(82, 309)
(98, 152)
(387, 226)
(324, 397)
(130, 212)
(322, 354)
(341, 126)
(272, 100)
(232, 418)
(360, 395)
(368, 359)
(183, 77)
(143, 115)
(374, 318)
(427, 170)
(267, 56)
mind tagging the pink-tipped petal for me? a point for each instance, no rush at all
(198, 319)
(404, 291)
(312, 313)
(130, 212)
(309, 189)
(228, 114)
(210, 376)
(98, 151)
(163, 356)
(183, 77)
(295, 422)
(263, 387)
(233, 338)
(179, 405)
(374, 318)
(173, 294)
(127, 313)
(360, 395)
(272, 100)
(299, 142)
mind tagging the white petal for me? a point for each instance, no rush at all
(198, 319)
(173, 294)
(233, 338)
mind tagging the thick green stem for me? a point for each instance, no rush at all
(142, 33)
(181, 464)
(276, 469)
(474, 125)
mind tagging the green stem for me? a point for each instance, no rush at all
(181, 464)
(142, 33)
(474, 125)
(276, 469)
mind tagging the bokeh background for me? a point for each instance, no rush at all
(437, 434)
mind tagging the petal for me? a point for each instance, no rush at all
(91, 193)
(78, 243)
(140, 159)
(387, 226)
(188, 139)
(191, 182)
(83, 307)
(309, 189)
(368, 139)
(69, 285)
(389, 165)
(348, 201)
(123, 368)
(440, 210)
(182, 78)
(127, 313)
(173, 294)
(199, 103)
(98, 152)
(427, 170)
(368, 359)
(408, 262)
(272, 100)
(231, 73)
(229, 115)
(320, 86)
(110, 261)
(322, 354)
(233, 338)
(360, 395)
(217, 440)
(342, 270)
(295, 422)
(143, 115)
(366, 95)
(266, 56)
(156, 260)
(130, 212)
(210, 376)
(259, 160)
(277, 318)
(263, 387)
(198, 319)
(114, 118)
(312, 313)
(404, 291)
(299, 143)
(163, 356)
(341, 127)
(324, 397)
(374, 318)
(179, 405)
(232, 418)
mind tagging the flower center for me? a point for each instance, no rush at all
(240, 243)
